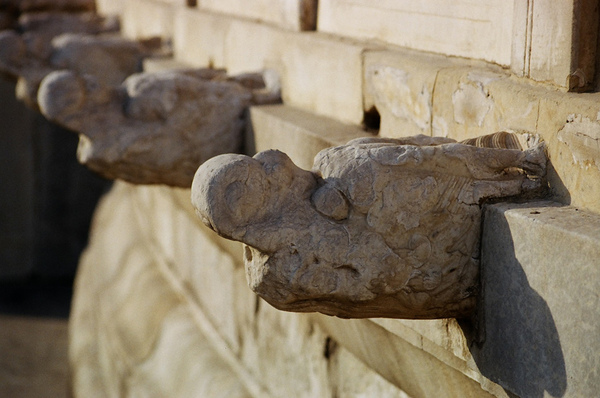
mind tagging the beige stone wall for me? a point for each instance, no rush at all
(162, 307)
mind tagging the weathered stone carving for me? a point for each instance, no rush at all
(155, 128)
(37, 30)
(44, 5)
(11, 9)
(42, 49)
(379, 228)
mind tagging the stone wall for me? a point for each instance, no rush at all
(161, 304)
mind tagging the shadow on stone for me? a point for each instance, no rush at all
(522, 350)
(66, 196)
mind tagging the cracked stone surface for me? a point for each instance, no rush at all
(154, 128)
(379, 228)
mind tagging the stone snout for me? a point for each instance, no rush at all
(154, 128)
(379, 228)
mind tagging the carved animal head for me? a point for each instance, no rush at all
(380, 228)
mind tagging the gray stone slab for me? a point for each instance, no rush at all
(541, 278)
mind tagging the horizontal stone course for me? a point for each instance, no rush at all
(300, 134)
(318, 72)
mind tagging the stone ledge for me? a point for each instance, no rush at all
(300, 134)
(157, 64)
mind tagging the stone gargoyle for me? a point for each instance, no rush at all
(379, 228)
(11, 9)
(154, 128)
(39, 50)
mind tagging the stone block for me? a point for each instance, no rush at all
(142, 19)
(571, 125)
(408, 361)
(319, 73)
(469, 102)
(298, 133)
(540, 280)
(251, 46)
(400, 86)
(458, 26)
(323, 74)
(110, 7)
(294, 15)
(351, 377)
(199, 37)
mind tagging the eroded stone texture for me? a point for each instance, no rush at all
(379, 228)
(37, 29)
(155, 128)
(44, 47)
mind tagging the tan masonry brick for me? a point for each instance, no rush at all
(319, 73)
(473, 101)
(400, 85)
(288, 14)
(199, 38)
(570, 123)
(148, 18)
(110, 7)
(435, 26)
(323, 74)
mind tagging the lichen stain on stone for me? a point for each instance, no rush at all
(392, 90)
(582, 136)
(471, 104)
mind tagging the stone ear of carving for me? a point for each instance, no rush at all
(380, 228)
(154, 128)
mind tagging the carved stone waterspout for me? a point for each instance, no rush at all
(155, 128)
(45, 48)
(379, 228)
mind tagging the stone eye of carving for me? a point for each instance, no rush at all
(330, 202)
